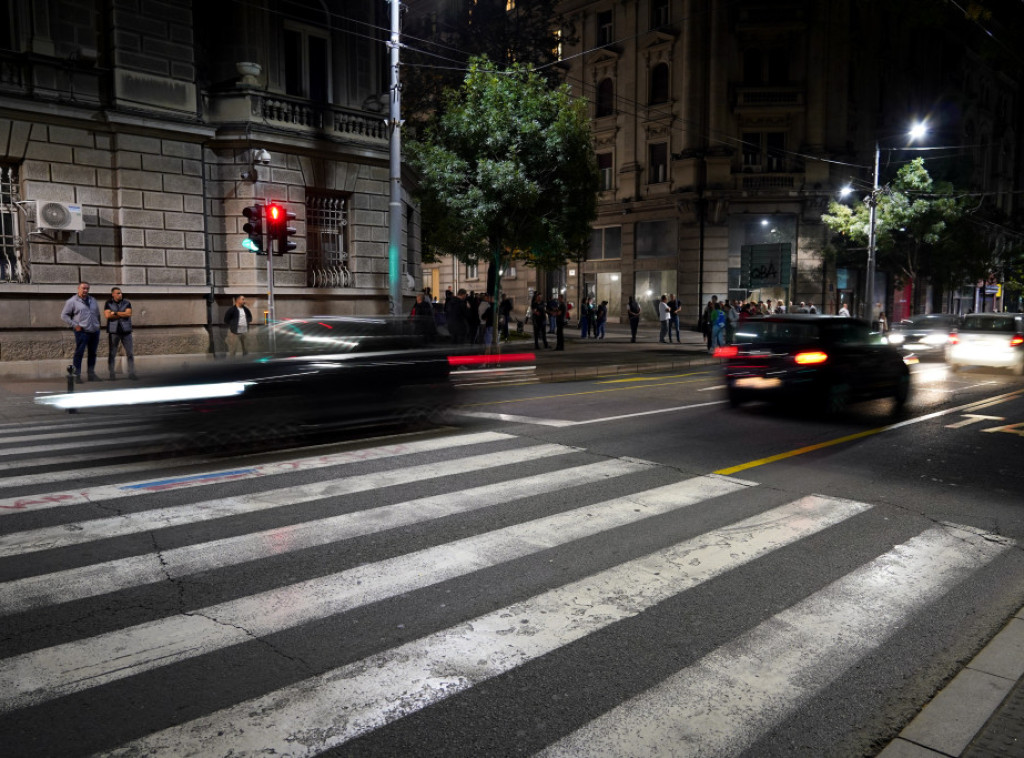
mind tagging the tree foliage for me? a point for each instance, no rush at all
(508, 171)
(920, 228)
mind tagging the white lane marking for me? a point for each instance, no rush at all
(70, 475)
(110, 576)
(66, 535)
(563, 423)
(61, 476)
(95, 431)
(765, 675)
(710, 389)
(7, 452)
(105, 492)
(63, 669)
(327, 710)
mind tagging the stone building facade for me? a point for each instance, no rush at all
(134, 133)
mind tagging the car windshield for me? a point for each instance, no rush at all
(343, 335)
(990, 323)
(777, 332)
(929, 321)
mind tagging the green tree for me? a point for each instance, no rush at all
(508, 172)
(917, 228)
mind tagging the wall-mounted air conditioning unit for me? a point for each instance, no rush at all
(61, 217)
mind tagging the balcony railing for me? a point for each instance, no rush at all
(320, 117)
(769, 97)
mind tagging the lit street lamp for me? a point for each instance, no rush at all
(917, 131)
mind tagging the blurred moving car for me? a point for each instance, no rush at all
(994, 340)
(824, 362)
(926, 334)
(318, 373)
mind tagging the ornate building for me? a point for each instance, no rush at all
(132, 135)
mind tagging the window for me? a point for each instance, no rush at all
(604, 168)
(8, 26)
(764, 151)
(762, 67)
(659, 13)
(472, 271)
(306, 63)
(13, 264)
(605, 98)
(659, 84)
(605, 243)
(605, 28)
(327, 255)
(656, 238)
(658, 162)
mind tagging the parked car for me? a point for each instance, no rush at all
(926, 334)
(824, 362)
(994, 340)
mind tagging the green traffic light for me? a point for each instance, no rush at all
(250, 244)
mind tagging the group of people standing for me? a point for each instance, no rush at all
(81, 313)
(468, 316)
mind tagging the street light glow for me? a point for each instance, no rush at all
(918, 130)
(845, 191)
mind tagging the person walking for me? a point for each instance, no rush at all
(601, 319)
(844, 311)
(633, 313)
(664, 316)
(718, 322)
(539, 318)
(456, 313)
(505, 315)
(673, 322)
(82, 313)
(585, 318)
(118, 312)
(238, 319)
(561, 314)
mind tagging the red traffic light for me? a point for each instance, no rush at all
(275, 213)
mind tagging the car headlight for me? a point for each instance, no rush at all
(896, 339)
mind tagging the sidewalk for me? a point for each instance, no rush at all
(980, 713)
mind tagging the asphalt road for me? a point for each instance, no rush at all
(622, 566)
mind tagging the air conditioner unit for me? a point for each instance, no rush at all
(61, 217)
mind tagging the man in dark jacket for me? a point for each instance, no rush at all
(118, 311)
(456, 313)
(238, 318)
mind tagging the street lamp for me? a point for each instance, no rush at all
(917, 131)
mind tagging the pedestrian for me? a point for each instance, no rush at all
(561, 314)
(664, 316)
(538, 317)
(505, 314)
(118, 312)
(585, 318)
(456, 313)
(811, 308)
(718, 322)
(486, 310)
(732, 320)
(673, 322)
(882, 321)
(552, 307)
(844, 311)
(601, 319)
(238, 319)
(633, 312)
(82, 313)
(708, 321)
(422, 316)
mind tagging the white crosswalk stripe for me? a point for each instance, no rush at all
(759, 677)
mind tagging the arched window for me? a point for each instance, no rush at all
(659, 84)
(605, 98)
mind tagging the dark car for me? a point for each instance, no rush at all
(925, 335)
(312, 374)
(993, 340)
(821, 362)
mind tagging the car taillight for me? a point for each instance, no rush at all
(953, 339)
(810, 357)
(476, 360)
(1017, 339)
(726, 351)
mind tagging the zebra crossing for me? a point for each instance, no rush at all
(218, 609)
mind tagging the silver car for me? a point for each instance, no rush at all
(994, 340)
(927, 334)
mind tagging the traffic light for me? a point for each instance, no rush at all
(254, 228)
(277, 226)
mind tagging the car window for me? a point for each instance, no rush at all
(777, 332)
(990, 323)
(847, 332)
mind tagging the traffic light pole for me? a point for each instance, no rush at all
(271, 315)
(395, 206)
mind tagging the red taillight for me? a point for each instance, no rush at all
(953, 339)
(727, 351)
(1017, 339)
(810, 357)
(476, 360)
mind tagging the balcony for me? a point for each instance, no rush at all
(763, 97)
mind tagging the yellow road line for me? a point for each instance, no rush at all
(859, 435)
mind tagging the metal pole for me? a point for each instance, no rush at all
(395, 206)
(269, 249)
(869, 285)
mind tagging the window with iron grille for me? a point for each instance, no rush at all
(472, 271)
(327, 245)
(13, 264)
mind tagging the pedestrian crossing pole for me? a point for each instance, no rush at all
(395, 205)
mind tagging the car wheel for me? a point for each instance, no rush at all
(954, 367)
(902, 392)
(837, 397)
